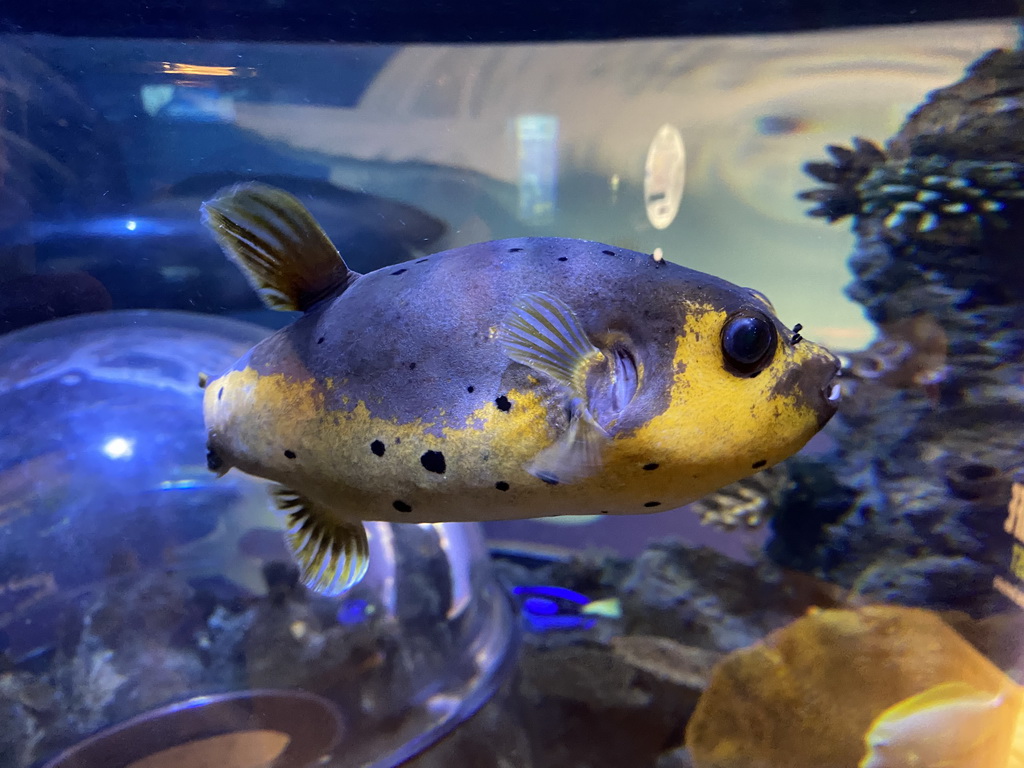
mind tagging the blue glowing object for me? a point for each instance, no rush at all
(119, 448)
(547, 609)
(556, 593)
(354, 612)
(540, 606)
(100, 227)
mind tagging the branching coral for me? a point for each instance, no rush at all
(917, 197)
(842, 198)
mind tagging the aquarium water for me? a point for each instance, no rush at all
(575, 385)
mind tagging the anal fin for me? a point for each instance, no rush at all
(332, 554)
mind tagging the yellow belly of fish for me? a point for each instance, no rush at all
(279, 430)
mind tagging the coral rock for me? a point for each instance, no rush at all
(927, 449)
(806, 696)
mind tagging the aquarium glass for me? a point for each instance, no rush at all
(850, 600)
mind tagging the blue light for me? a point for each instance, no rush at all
(547, 609)
(540, 606)
(558, 593)
(119, 448)
(354, 612)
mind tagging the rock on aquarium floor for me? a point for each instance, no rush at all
(614, 675)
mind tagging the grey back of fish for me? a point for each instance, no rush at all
(415, 341)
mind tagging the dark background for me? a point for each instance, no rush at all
(468, 20)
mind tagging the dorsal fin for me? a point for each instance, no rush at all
(278, 245)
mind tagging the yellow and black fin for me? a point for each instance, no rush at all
(332, 554)
(543, 333)
(277, 244)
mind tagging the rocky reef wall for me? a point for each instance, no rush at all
(911, 506)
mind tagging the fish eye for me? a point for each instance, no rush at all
(748, 343)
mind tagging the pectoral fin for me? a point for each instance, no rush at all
(575, 455)
(278, 245)
(333, 554)
(543, 333)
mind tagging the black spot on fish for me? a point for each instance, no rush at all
(288, 454)
(503, 403)
(759, 464)
(608, 253)
(213, 461)
(651, 466)
(423, 261)
(433, 461)
(514, 250)
(412, 366)
(653, 504)
(321, 340)
(220, 393)
(470, 389)
(399, 271)
(401, 506)
(563, 258)
(501, 485)
(605, 512)
(377, 447)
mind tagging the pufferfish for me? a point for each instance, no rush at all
(516, 378)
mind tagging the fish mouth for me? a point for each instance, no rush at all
(814, 384)
(831, 390)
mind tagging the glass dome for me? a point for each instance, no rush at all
(147, 605)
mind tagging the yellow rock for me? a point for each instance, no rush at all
(808, 695)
